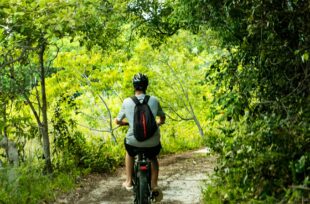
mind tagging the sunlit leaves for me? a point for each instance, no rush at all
(153, 18)
(265, 76)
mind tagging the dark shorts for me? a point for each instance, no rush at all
(150, 152)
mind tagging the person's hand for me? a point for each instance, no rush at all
(123, 123)
(159, 123)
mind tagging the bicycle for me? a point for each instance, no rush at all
(142, 180)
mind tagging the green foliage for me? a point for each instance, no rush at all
(153, 19)
(250, 170)
(267, 76)
(261, 90)
(103, 157)
(27, 184)
(72, 148)
(179, 137)
(250, 99)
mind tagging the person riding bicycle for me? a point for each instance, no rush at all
(152, 146)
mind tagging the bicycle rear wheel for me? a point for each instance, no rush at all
(144, 191)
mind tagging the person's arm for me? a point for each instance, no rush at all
(162, 120)
(161, 114)
(121, 123)
(119, 120)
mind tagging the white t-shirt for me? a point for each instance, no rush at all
(127, 111)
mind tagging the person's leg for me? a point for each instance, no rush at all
(129, 170)
(152, 155)
(155, 171)
(156, 192)
(129, 162)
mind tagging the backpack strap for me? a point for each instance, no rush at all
(135, 99)
(146, 99)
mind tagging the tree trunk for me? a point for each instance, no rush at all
(5, 139)
(44, 124)
(195, 118)
(9, 146)
(198, 126)
(188, 106)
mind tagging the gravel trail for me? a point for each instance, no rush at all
(181, 179)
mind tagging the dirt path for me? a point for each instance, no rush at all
(181, 178)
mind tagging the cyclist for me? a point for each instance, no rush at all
(151, 146)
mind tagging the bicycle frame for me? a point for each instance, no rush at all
(142, 180)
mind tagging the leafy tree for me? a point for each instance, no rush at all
(176, 70)
(29, 30)
(264, 84)
(153, 18)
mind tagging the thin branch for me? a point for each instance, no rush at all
(120, 97)
(179, 96)
(110, 115)
(14, 60)
(90, 116)
(99, 117)
(300, 187)
(185, 93)
(38, 97)
(98, 130)
(33, 109)
(182, 119)
(106, 106)
(24, 48)
(56, 55)
(170, 107)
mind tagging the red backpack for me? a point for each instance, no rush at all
(144, 123)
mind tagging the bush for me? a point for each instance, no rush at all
(27, 184)
(261, 161)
